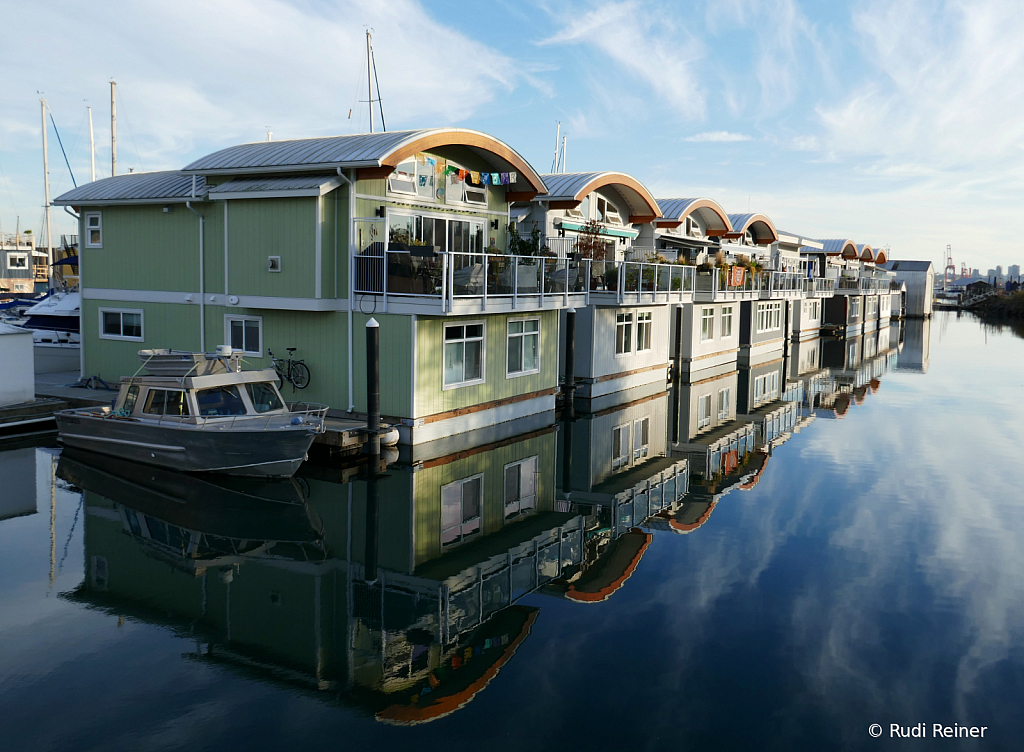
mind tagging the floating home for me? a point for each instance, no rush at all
(296, 244)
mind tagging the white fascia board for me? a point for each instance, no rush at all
(326, 187)
(216, 299)
(129, 201)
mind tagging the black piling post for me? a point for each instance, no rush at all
(372, 447)
(570, 364)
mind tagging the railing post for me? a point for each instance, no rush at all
(385, 261)
(486, 262)
(622, 279)
(515, 281)
(589, 280)
(565, 289)
(445, 308)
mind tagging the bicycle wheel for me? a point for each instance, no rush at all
(300, 375)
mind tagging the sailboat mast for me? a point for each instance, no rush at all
(563, 153)
(46, 189)
(369, 80)
(558, 137)
(113, 128)
(92, 148)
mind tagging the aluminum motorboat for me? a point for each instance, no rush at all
(197, 412)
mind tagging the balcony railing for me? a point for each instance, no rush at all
(513, 282)
(786, 284)
(867, 285)
(819, 287)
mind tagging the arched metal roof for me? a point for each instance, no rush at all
(169, 186)
(759, 225)
(567, 189)
(865, 252)
(675, 210)
(362, 151)
(840, 247)
(881, 256)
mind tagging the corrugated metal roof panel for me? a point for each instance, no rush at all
(252, 185)
(908, 266)
(835, 246)
(359, 149)
(563, 186)
(674, 208)
(135, 186)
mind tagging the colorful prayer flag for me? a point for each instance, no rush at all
(485, 178)
(475, 177)
(462, 174)
(513, 176)
(421, 159)
(504, 178)
(495, 178)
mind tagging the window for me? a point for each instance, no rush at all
(464, 191)
(520, 487)
(523, 347)
(166, 402)
(130, 398)
(460, 509)
(703, 411)
(766, 387)
(813, 310)
(641, 438)
(93, 230)
(220, 401)
(644, 325)
(620, 446)
(264, 396)
(17, 261)
(623, 333)
(692, 228)
(463, 354)
(726, 322)
(414, 177)
(769, 316)
(723, 404)
(606, 212)
(245, 333)
(707, 324)
(116, 323)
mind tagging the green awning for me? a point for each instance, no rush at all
(604, 230)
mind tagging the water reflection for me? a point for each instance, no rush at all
(409, 619)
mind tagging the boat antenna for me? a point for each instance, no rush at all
(92, 148)
(376, 82)
(113, 127)
(558, 138)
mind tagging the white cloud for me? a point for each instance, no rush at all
(644, 41)
(719, 137)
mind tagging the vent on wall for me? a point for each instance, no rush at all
(273, 263)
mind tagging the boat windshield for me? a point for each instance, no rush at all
(264, 397)
(220, 400)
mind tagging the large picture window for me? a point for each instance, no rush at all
(118, 323)
(623, 333)
(461, 503)
(463, 354)
(644, 326)
(245, 333)
(520, 487)
(703, 411)
(523, 347)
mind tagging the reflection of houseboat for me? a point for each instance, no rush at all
(200, 415)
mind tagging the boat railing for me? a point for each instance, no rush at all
(312, 415)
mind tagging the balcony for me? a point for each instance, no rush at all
(785, 286)
(466, 283)
(866, 285)
(819, 287)
(717, 285)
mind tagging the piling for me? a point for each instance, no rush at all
(372, 448)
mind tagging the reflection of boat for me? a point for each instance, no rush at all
(197, 518)
(201, 414)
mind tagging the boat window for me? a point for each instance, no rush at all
(130, 398)
(264, 397)
(220, 400)
(166, 402)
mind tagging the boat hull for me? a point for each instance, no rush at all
(274, 453)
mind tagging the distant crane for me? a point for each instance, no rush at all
(950, 273)
(964, 271)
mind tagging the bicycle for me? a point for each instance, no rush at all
(295, 372)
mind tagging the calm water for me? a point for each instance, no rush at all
(868, 571)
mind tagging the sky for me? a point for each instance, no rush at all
(895, 124)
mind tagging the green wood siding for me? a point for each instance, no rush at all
(395, 363)
(335, 244)
(432, 398)
(428, 482)
(285, 227)
(145, 248)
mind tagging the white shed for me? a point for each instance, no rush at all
(17, 370)
(919, 277)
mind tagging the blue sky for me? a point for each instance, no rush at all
(892, 123)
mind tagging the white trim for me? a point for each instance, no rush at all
(623, 459)
(225, 248)
(437, 209)
(318, 255)
(228, 318)
(632, 334)
(191, 298)
(522, 336)
(479, 518)
(414, 326)
(483, 354)
(322, 189)
(142, 324)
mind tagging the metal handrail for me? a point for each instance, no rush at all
(312, 415)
